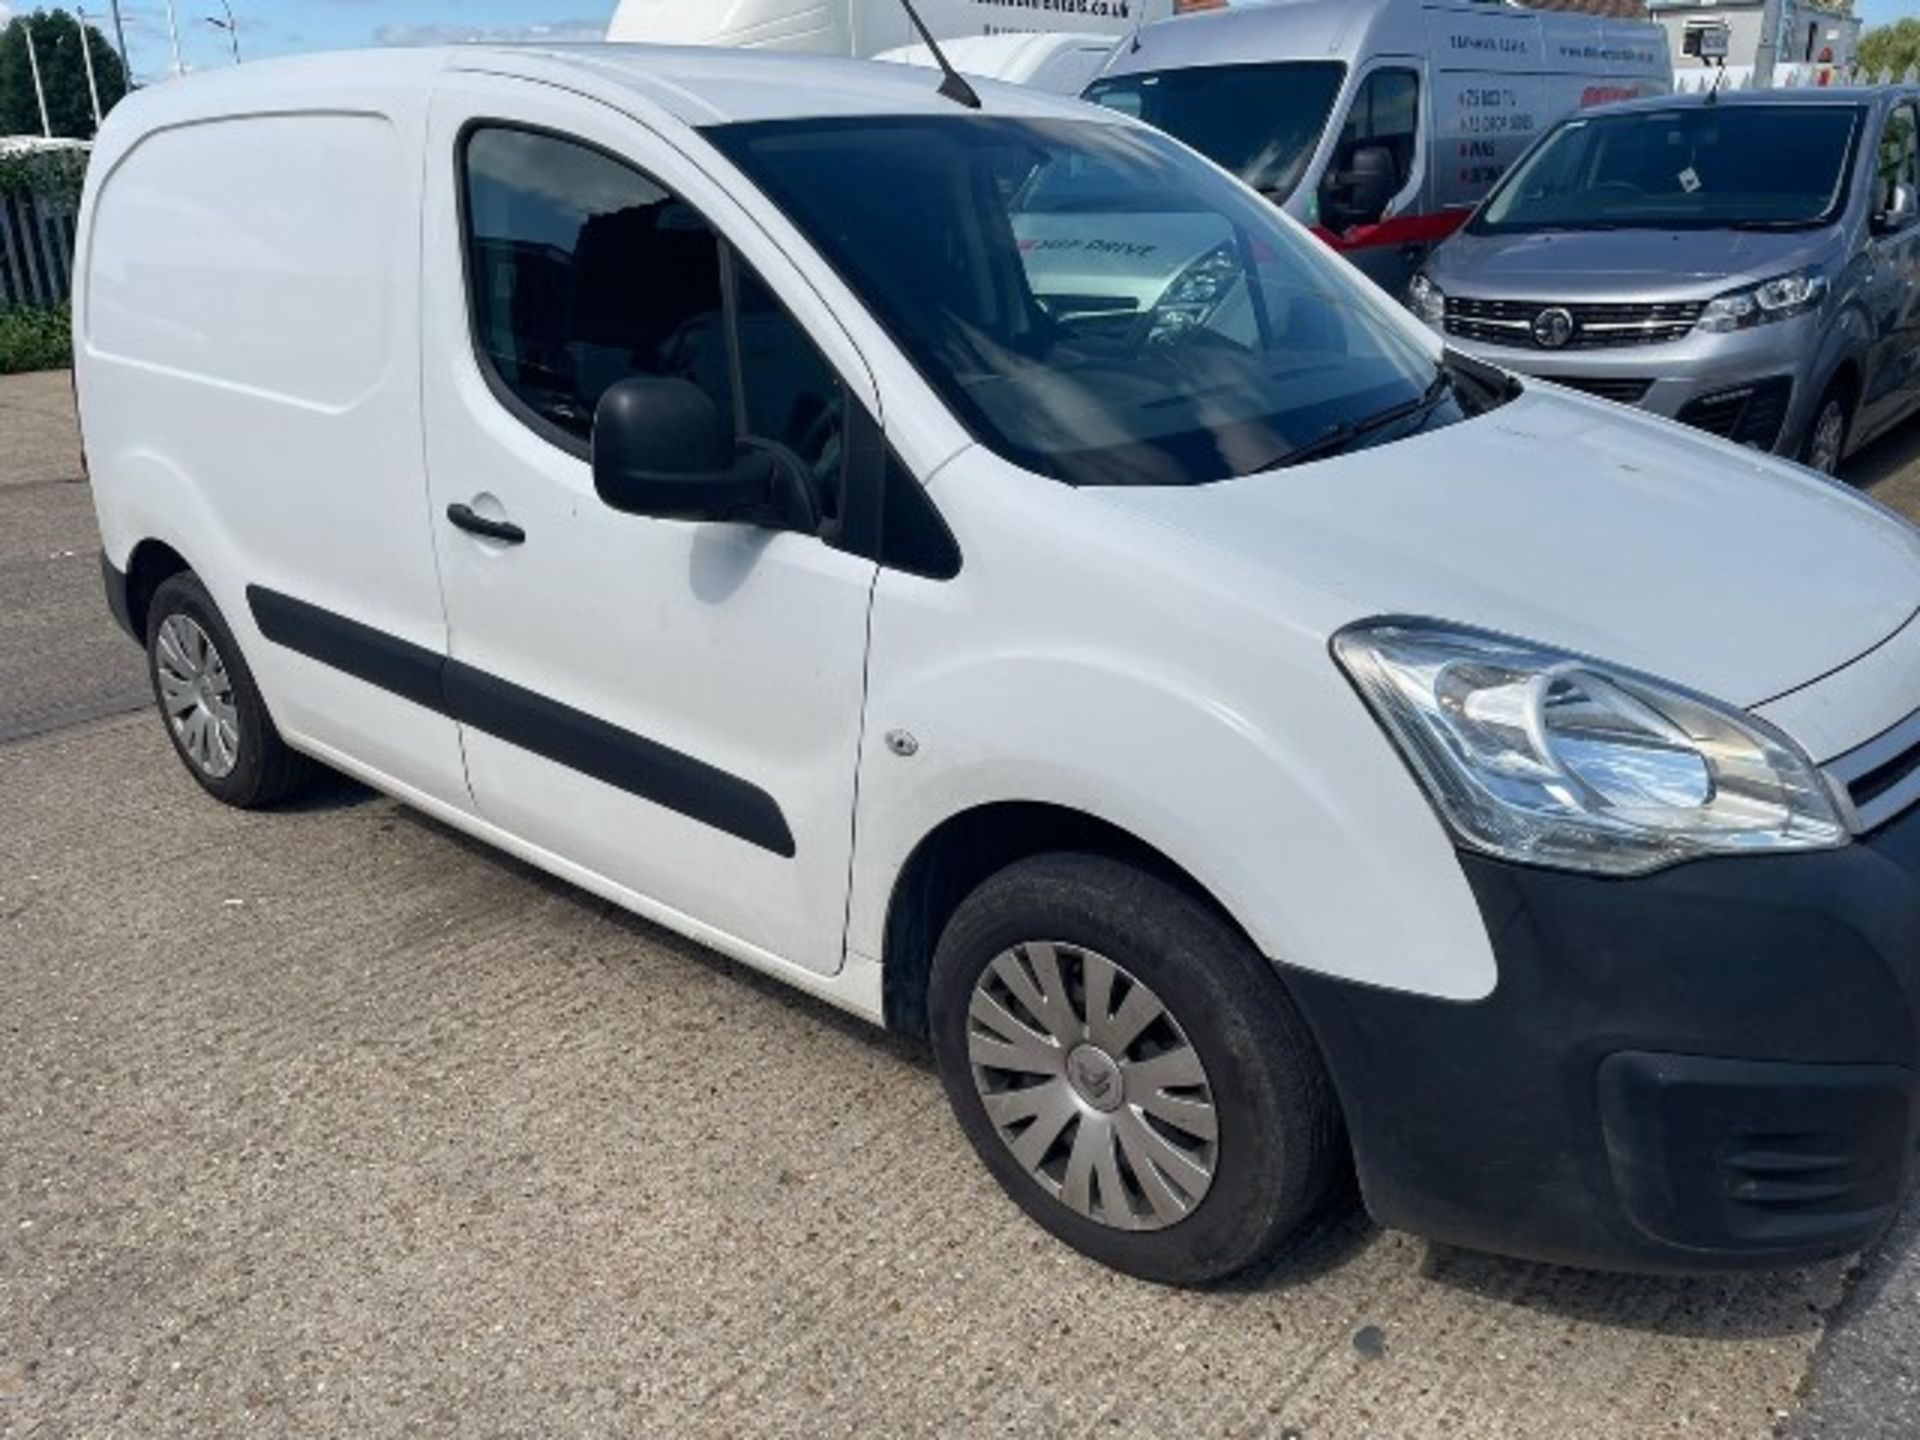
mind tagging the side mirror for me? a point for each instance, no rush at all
(1367, 185)
(662, 448)
(1903, 208)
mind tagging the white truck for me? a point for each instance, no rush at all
(863, 28)
(1380, 123)
(1060, 64)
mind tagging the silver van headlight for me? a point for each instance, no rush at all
(1780, 298)
(1549, 758)
(1427, 300)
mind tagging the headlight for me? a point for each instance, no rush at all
(1427, 300)
(1539, 756)
(1780, 298)
(1196, 293)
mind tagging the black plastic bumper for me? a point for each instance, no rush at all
(117, 597)
(1714, 1066)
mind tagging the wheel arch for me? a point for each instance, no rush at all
(967, 847)
(150, 565)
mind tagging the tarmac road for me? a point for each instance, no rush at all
(329, 1121)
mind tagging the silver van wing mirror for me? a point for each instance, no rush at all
(1903, 208)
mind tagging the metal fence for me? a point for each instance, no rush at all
(36, 250)
(1785, 77)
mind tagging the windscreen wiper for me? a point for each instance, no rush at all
(1339, 437)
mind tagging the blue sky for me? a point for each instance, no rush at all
(281, 27)
(278, 27)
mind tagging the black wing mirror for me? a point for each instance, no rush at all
(662, 448)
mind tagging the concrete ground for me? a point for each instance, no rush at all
(329, 1121)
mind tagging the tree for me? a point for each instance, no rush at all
(1891, 49)
(56, 42)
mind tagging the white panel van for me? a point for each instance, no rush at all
(1060, 64)
(1196, 709)
(1380, 123)
(863, 28)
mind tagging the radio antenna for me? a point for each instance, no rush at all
(954, 86)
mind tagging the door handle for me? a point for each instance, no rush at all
(465, 518)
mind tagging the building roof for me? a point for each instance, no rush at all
(1607, 9)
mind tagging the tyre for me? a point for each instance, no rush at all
(210, 704)
(1131, 1070)
(1826, 443)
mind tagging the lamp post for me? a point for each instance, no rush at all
(230, 25)
(1768, 55)
(86, 54)
(120, 39)
(173, 34)
(39, 90)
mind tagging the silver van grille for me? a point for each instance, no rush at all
(1882, 778)
(1595, 327)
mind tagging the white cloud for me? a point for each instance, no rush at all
(560, 31)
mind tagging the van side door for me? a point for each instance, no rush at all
(1892, 386)
(1369, 198)
(672, 708)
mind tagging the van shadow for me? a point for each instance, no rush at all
(906, 1049)
(1889, 468)
(1738, 1306)
(1744, 1305)
(330, 791)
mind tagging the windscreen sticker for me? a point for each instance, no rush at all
(1689, 180)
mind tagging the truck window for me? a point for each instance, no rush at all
(1375, 156)
(1263, 122)
(1756, 166)
(582, 271)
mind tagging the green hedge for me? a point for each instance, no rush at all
(35, 339)
(52, 175)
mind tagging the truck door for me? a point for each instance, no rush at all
(1370, 191)
(670, 706)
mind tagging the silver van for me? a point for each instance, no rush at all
(1748, 264)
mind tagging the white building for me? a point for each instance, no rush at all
(1808, 36)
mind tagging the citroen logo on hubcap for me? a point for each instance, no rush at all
(1095, 1078)
(1552, 328)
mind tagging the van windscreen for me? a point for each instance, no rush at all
(1093, 302)
(1262, 122)
(1730, 165)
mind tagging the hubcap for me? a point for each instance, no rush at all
(1829, 433)
(1092, 1085)
(197, 696)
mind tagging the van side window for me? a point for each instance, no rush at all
(1375, 156)
(1899, 161)
(788, 391)
(583, 271)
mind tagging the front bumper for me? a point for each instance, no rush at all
(1701, 380)
(1714, 1066)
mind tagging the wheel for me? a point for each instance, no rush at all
(1826, 442)
(211, 706)
(1131, 1070)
